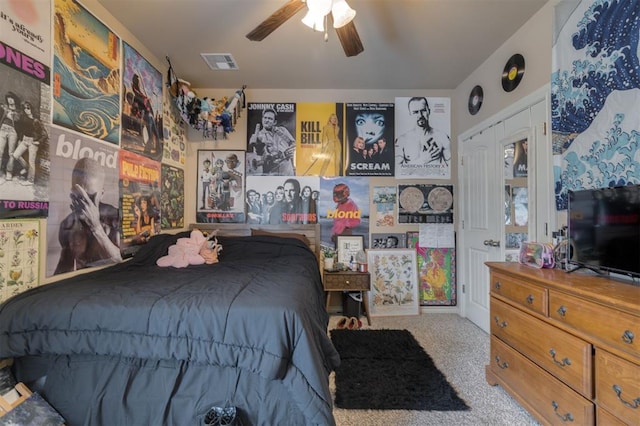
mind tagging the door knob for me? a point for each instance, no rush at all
(491, 243)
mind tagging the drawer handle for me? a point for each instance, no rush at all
(497, 285)
(530, 299)
(502, 365)
(564, 418)
(347, 282)
(618, 390)
(565, 362)
(628, 337)
(562, 311)
(502, 324)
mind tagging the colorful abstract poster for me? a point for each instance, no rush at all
(139, 200)
(384, 201)
(422, 203)
(86, 73)
(423, 138)
(282, 199)
(369, 129)
(319, 139)
(26, 25)
(19, 256)
(141, 106)
(220, 187)
(437, 276)
(172, 198)
(271, 144)
(595, 95)
(343, 208)
(83, 181)
(25, 109)
(174, 133)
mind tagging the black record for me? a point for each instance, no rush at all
(513, 72)
(475, 100)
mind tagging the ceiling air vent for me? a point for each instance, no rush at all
(220, 61)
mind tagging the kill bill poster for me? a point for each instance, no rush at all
(319, 139)
(172, 198)
(369, 128)
(78, 162)
(139, 200)
(24, 174)
(86, 73)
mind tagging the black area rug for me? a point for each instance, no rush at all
(389, 370)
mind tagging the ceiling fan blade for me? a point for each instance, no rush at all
(349, 39)
(276, 19)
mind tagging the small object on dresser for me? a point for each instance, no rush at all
(538, 255)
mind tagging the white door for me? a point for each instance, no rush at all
(480, 221)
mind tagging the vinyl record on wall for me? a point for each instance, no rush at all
(475, 100)
(513, 72)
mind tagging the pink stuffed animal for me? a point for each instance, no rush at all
(185, 252)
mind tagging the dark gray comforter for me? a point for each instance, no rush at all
(259, 311)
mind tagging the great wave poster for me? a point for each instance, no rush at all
(86, 73)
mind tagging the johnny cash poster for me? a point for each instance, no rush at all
(369, 130)
(271, 144)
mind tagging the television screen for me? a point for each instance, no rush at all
(604, 229)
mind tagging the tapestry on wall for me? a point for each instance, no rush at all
(141, 119)
(83, 179)
(423, 138)
(19, 256)
(172, 198)
(271, 144)
(595, 95)
(220, 187)
(276, 200)
(369, 131)
(343, 208)
(319, 139)
(86, 73)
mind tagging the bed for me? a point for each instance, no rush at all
(138, 344)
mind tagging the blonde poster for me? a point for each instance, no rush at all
(86, 73)
(19, 256)
(139, 200)
(83, 182)
(26, 24)
(319, 139)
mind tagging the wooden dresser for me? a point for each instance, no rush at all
(566, 346)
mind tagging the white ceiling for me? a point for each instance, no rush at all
(408, 44)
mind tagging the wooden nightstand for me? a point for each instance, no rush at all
(348, 281)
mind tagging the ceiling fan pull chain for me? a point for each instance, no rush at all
(326, 33)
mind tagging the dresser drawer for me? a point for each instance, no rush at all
(346, 281)
(604, 418)
(527, 295)
(618, 386)
(565, 356)
(618, 329)
(547, 396)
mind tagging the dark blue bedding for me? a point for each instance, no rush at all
(249, 331)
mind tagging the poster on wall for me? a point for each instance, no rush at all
(174, 133)
(86, 73)
(423, 138)
(319, 139)
(220, 186)
(369, 132)
(141, 106)
(276, 200)
(436, 276)
(83, 180)
(384, 202)
(423, 203)
(27, 27)
(271, 144)
(20, 256)
(139, 200)
(343, 208)
(594, 106)
(172, 198)
(24, 135)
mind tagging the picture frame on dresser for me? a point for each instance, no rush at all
(394, 282)
(348, 246)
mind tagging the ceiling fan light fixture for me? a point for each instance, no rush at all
(314, 21)
(341, 13)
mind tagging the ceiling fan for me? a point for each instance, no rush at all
(347, 33)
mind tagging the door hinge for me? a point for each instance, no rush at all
(545, 128)
(464, 289)
(462, 161)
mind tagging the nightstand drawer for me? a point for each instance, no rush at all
(346, 281)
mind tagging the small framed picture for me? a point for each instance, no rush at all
(348, 247)
(412, 239)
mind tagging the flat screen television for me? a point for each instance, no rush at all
(604, 229)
